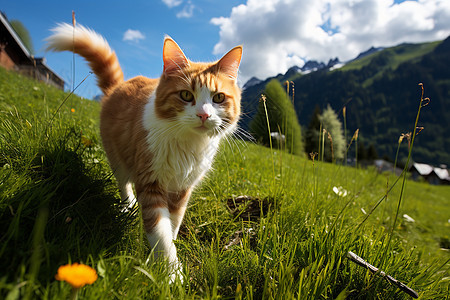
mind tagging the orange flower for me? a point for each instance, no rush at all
(72, 109)
(77, 275)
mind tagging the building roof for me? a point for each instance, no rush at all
(441, 173)
(383, 166)
(426, 170)
(423, 169)
(25, 52)
(16, 38)
(42, 61)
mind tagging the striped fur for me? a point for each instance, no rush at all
(94, 48)
(154, 139)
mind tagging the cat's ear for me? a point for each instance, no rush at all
(173, 57)
(229, 63)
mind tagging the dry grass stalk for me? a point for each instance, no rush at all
(331, 145)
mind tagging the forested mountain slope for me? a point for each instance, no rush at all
(381, 93)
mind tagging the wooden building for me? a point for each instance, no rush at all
(15, 56)
(432, 175)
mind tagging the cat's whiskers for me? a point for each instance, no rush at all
(152, 135)
(242, 135)
(223, 129)
(237, 136)
(236, 144)
(226, 137)
(186, 78)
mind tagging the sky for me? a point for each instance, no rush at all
(275, 34)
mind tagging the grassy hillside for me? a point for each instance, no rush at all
(397, 55)
(263, 224)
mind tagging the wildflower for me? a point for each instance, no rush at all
(340, 191)
(72, 110)
(408, 218)
(77, 275)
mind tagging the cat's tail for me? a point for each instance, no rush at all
(93, 47)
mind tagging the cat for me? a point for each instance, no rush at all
(160, 135)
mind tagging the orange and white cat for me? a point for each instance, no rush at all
(159, 134)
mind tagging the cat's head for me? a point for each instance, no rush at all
(202, 98)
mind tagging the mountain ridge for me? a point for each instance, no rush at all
(380, 90)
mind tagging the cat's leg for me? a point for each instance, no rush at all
(158, 226)
(127, 194)
(125, 187)
(161, 240)
(177, 208)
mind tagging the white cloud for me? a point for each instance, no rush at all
(133, 35)
(172, 3)
(187, 12)
(278, 34)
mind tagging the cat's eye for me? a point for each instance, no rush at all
(219, 98)
(186, 96)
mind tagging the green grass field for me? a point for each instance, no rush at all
(263, 225)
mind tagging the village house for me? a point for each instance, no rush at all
(384, 166)
(432, 175)
(15, 56)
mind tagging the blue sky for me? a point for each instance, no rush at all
(112, 19)
(276, 34)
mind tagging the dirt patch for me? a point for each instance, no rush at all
(248, 207)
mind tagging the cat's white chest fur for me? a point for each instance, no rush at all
(180, 158)
(180, 164)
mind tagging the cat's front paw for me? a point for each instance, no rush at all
(176, 273)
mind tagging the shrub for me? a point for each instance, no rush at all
(283, 128)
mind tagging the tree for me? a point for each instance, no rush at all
(23, 34)
(312, 133)
(372, 152)
(284, 129)
(362, 152)
(333, 127)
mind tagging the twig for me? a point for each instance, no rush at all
(67, 97)
(361, 262)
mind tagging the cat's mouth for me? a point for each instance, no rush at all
(203, 129)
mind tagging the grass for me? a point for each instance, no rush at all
(263, 224)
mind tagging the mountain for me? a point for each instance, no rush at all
(380, 90)
(251, 82)
(368, 52)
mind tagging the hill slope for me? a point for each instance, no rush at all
(382, 95)
(263, 224)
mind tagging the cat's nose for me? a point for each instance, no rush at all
(203, 116)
